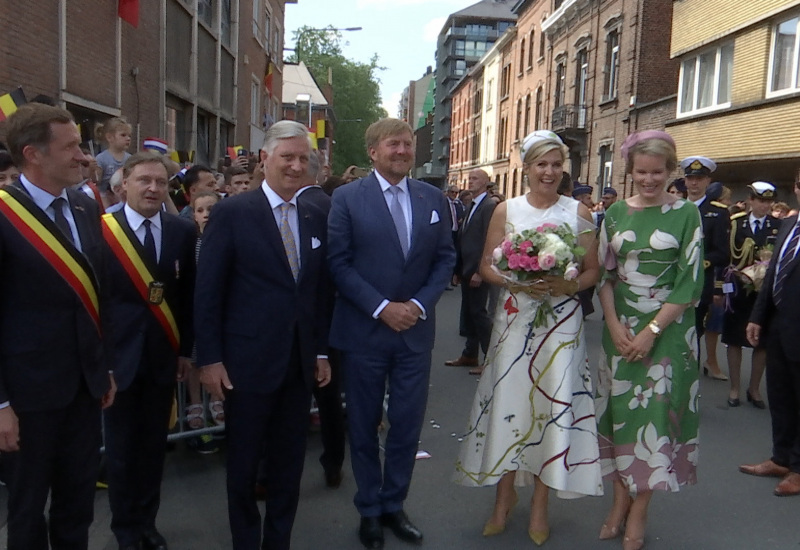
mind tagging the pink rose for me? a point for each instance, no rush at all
(535, 264)
(544, 226)
(547, 261)
(513, 261)
(571, 273)
(508, 248)
(525, 262)
(524, 246)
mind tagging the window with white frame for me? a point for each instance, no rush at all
(255, 106)
(785, 57)
(256, 18)
(705, 80)
(612, 65)
(605, 166)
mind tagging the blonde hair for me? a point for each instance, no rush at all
(544, 146)
(385, 127)
(110, 126)
(655, 147)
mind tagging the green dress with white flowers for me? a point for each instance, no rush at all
(647, 410)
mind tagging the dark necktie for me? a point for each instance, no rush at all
(469, 214)
(784, 262)
(149, 243)
(757, 225)
(399, 218)
(60, 219)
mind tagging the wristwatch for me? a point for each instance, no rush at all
(654, 328)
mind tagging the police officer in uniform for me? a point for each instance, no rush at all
(750, 234)
(697, 173)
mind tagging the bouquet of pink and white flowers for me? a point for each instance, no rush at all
(524, 257)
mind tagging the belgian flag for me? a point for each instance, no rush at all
(10, 102)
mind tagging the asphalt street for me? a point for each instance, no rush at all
(726, 510)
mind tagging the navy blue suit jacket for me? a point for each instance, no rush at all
(48, 341)
(248, 307)
(367, 263)
(138, 340)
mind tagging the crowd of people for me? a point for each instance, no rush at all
(272, 281)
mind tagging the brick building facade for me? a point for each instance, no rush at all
(178, 75)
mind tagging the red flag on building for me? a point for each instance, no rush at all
(268, 77)
(128, 10)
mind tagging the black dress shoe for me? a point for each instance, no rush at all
(734, 402)
(333, 479)
(402, 527)
(153, 540)
(370, 533)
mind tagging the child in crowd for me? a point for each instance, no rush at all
(8, 172)
(202, 204)
(116, 132)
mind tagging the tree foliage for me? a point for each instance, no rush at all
(356, 91)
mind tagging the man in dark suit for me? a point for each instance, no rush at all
(54, 373)
(261, 322)
(774, 324)
(716, 224)
(391, 257)
(474, 292)
(328, 397)
(151, 274)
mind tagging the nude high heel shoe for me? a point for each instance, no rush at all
(492, 529)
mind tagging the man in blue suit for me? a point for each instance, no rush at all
(391, 256)
(261, 318)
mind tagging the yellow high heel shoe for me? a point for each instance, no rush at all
(492, 529)
(539, 537)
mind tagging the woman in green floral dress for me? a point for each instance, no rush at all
(651, 247)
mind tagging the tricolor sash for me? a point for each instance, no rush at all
(125, 251)
(48, 240)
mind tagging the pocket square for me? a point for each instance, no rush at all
(315, 243)
(434, 217)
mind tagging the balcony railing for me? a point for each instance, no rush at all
(569, 117)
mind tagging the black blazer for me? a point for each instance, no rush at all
(248, 308)
(137, 339)
(716, 246)
(48, 341)
(472, 238)
(314, 194)
(779, 325)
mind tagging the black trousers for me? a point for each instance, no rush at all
(59, 455)
(277, 422)
(136, 442)
(331, 416)
(476, 317)
(783, 391)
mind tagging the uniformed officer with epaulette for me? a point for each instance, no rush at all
(716, 221)
(750, 234)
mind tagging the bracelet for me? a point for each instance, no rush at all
(654, 327)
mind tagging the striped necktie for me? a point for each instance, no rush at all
(788, 256)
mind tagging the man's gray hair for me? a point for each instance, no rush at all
(285, 129)
(116, 180)
(313, 165)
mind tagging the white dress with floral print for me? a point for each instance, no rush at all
(647, 410)
(533, 412)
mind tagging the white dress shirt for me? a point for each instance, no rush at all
(275, 202)
(405, 203)
(44, 200)
(136, 221)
